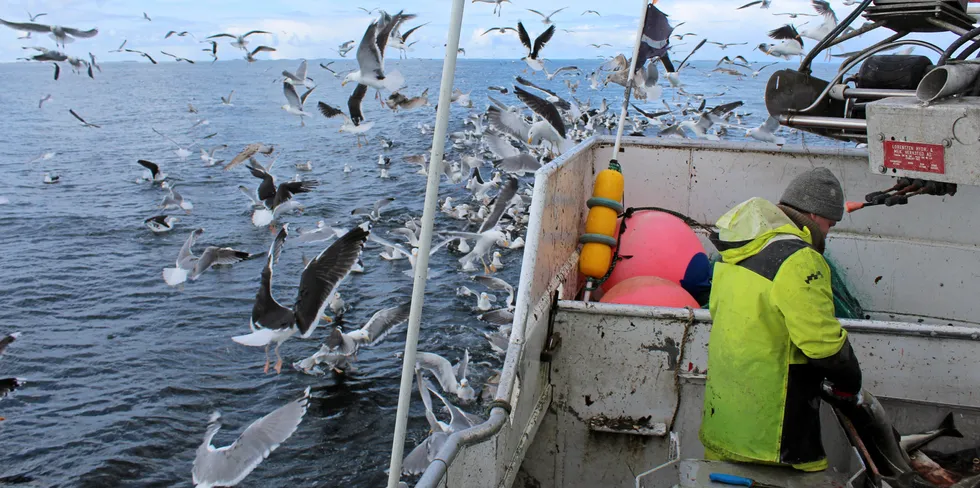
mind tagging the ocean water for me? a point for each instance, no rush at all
(124, 370)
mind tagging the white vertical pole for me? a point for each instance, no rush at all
(629, 79)
(425, 242)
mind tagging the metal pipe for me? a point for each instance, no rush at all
(425, 242)
(868, 93)
(864, 55)
(948, 80)
(456, 442)
(841, 26)
(955, 29)
(824, 122)
(629, 79)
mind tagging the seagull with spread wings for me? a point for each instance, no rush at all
(61, 35)
(534, 51)
(240, 41)
(191, 267)
(295, 102)
(340, 348)
(546, 19)
(229, 465)
(352, 124)
(791, 46)
(80, 119)
(271, 322)
(371, 55)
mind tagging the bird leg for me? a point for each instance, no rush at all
(486, 270)
(266, 369)
(278, 359)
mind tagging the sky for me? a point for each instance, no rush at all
(315, 29)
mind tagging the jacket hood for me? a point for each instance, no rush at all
(745, 229)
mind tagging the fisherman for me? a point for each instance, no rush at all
(775, 343)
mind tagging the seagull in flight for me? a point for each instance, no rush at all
(761, 3)
(591, 12)
(61, 35)
(499, 30)
(534, 51)
(177, 58)
(498, 5)
(295, 102)
(239, 41)
(191, 266)
(250, 56)
(147, 17)
(272, 322)
(229, 465)
(546, 19)
(352, 124)
(141, 53)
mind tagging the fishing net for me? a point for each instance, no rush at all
(846, 306)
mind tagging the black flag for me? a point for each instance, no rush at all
(656, 38)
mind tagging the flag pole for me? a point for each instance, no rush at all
(629, 78)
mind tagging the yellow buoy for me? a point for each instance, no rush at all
(600, 226)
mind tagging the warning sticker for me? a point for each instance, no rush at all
(915, 156)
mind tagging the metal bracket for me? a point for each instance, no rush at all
(553, 342)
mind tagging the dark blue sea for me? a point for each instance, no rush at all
(123, 370)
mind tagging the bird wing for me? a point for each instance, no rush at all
(154, 169)
(301, 71)
(440, 368)
(463, 365)
(291, 96)
(254, 32)
(391, 245)
(493, 283)
(79, 117)
(556, 11)
(527, 83)
(382, 203)
(434, 425)
(185, 250)
(785, 32)
(392, 25)
(248, 193)
(757, 2)
(222, 35)
(499, 146)
(381, 323)
(286, 190)
(458, 420)
(520, 163)
(506, 194)
(80, 33)
(541, 41)
(246, 153)
(302, 99)
(218, 255)
(266, 310)
(771, 125)
(508, 122)
(354, 103)
(679, 66)
(227, 466)
(7, 340)
(535, 11)
(26, 26)
(823, 8)
(368, 55)
(328, 111)
(262, 48)
(544, 108)
(410, 31)
(168, 54)
(525, 39)
(321, 277)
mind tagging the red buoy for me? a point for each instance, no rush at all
(650, 291)
(659, 244)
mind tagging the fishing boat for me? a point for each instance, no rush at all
(595, 394)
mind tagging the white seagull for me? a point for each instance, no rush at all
(534, 51)
(191, 266)
(229, 465)
(451, 378)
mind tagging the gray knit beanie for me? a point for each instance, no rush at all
(818, 192)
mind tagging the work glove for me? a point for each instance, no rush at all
(841, 398)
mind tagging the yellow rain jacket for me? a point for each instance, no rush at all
(773, 342)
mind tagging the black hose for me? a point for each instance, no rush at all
(956, 45)
(968, 51)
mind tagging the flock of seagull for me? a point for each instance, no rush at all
(503, 138)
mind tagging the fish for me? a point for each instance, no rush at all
(947, 428)
(875, 429)
(932, 471)
(965, 462)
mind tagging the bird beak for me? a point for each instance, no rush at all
(529, 140)
(343, 83)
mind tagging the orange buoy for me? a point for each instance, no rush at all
(650, 291)
(600, 225)
(658, 244)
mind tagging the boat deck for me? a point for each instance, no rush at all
(694, 473)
